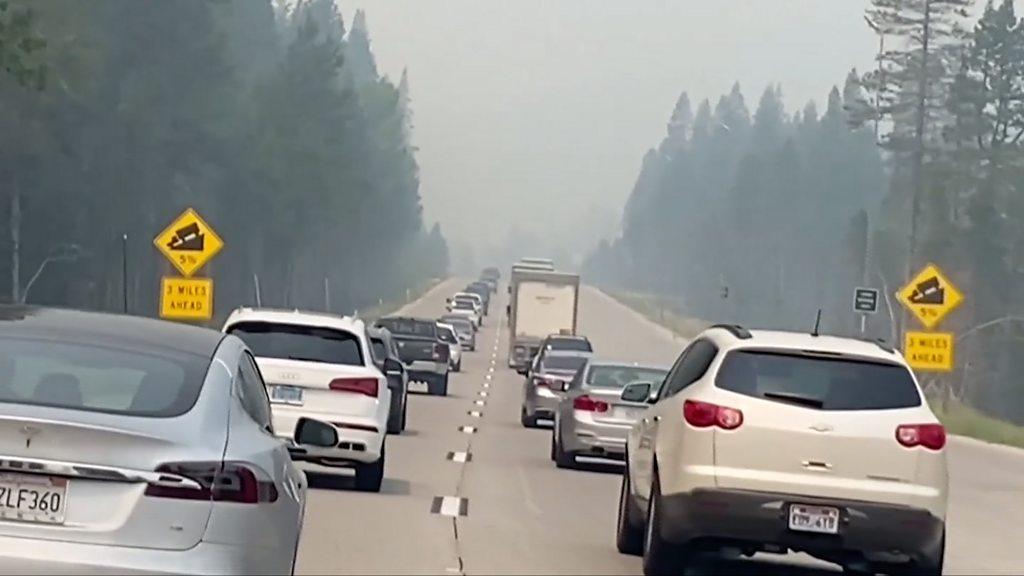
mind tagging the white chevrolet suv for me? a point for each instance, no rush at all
(762, 441)
(320, 366)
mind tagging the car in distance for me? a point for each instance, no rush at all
(561, 343)
(446, 333)
(775, 441)
(464, 329)
(320, 366)
(595, 416)
(483, 290)
(383, 347)
(545, 385)
(467, 309)
(117, 428)
(426, 357)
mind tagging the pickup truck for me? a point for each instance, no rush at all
(421, 349)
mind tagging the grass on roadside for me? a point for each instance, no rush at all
(963, 420)
(660, 312)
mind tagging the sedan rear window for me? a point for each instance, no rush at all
(82, 376)
(822, 383)
(565, 363)
(296, 342)
(620, 376)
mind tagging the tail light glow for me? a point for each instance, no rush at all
(931, 436)
(705, 415)
(219, 482)
(366, 386)
(587, 404)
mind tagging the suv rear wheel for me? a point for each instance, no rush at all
(563, 459)
(370, 476)
(438, 386)
(526, 420)
(661, 558)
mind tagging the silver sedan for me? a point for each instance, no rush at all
(594, 416)
(130, 445)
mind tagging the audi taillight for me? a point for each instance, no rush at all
(365, 386)
(705, 415)
(931, 436)
(587, 404)
(217, 481)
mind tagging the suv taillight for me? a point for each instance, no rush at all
(588, 404)
(931, 436)
(365, 386)
(705, 415)
(219, 482)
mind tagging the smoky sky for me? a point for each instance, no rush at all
(537, 113)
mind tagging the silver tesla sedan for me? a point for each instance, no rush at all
(130, 445)
(594, 417)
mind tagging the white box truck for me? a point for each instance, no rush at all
(541, 303)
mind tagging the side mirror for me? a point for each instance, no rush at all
(636, 392)
(523, 371)
(393, 367)
(309, 432)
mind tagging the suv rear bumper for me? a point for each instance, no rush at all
(738, 518)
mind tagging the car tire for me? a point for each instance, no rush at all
(661, 558)
(563, 459)
(439, 386)
(927, 566)
(370, 476)
(405, 411)
(629, 534)
(458, 365)
(526, 420)
(395, 417)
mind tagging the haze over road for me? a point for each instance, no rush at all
(527, 517)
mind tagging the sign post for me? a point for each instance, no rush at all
(865, 301)
(930, 296)
(189, 243)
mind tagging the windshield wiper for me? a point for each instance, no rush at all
(795, 399)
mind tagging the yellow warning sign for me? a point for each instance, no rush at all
(189, 243)
(930, 296)
(929, 351)
(186, 298)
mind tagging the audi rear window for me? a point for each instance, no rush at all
(572, 344)
(297, 342)
(818, 382)
(564, 363)
(83, 376)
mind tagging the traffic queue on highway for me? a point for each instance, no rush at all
(752, 441)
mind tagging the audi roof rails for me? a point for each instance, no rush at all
(736, 330)
(881, 343)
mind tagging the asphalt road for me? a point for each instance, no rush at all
(523, 516)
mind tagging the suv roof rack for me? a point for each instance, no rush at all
(881, 343)
(735, 329)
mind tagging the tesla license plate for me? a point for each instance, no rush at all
(817, 519)
(39, 499)
(291, 395)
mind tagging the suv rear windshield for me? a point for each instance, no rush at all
(562, 363)
(619, 376)
(296, 342)
(82, 376)
(409, 327)
(446, 335)
(465, 304)
(572, 344)
(817, 382)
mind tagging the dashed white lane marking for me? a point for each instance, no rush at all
(461, 457)
(483, 394)
(475, 413)
(450, 506)
(488, 377)
(480, 402)
(486, 385)
(467, 429)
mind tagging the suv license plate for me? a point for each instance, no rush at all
(37, 499)
(291, 395)
(817, 519)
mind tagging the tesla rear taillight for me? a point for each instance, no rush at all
(931, 436)
(587, 404)
(365, 386)
(219, 482)
(705, 415)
